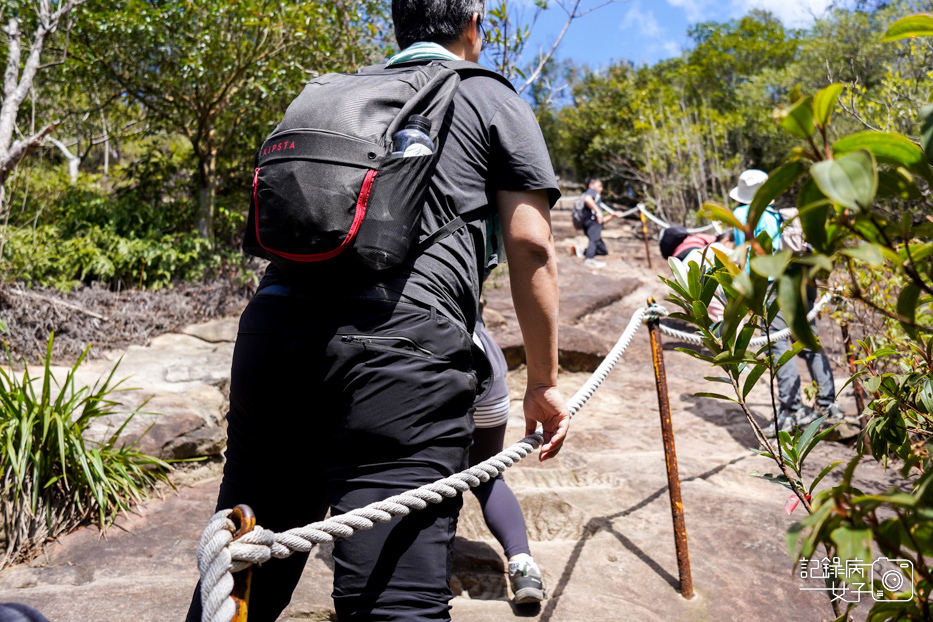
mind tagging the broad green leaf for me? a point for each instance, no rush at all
(679, 271)
(872, 384)
(715, 396)
(826, 470)
(792, 297)
(807, 438)
(771, 266)
(869, 253)
(853, 543)
(726, 261)
(792, 537)
(777, 479)
(926, 395)
(898, 183)
(918, 25)
(926, 131)
(850, 180)
(696, 355)
(907, 309)
(891, 149)
(824, 102)
(813, 208)
(794, 349)
(752, 378)
(715, 211)
(798, 119)
(777, 183)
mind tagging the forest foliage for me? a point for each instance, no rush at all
(158, 108)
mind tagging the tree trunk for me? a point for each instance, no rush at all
(207, 195)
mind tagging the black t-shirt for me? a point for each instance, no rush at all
(491, 142)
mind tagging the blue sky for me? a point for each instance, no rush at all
(645, 31)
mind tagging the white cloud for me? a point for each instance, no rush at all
(696, 10)
(643, 21)
(671, 48)
(792, 13)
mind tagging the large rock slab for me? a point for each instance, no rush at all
(178, 385)
(215, 331)
(598, 515)
(583, 295)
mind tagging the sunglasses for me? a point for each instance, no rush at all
(483, 33)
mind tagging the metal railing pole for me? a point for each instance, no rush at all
(644, 234)
(244, 519)
(670, 455)
(850, 362)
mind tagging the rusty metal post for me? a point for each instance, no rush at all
(644, 234)
(850, 362)
(670, 455)
(244, 519)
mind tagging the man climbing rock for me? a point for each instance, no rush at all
(346, 391)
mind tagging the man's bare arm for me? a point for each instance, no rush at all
(529, 245)
(590, 202)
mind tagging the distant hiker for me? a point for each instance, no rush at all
(792, 412)
(589, 215)
(352, 384)
(501, 509)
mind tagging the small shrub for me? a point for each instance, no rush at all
(53, 479)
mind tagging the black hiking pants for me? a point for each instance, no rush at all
(339, 405)
(594, 231)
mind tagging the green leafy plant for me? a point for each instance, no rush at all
(862, 200)
(53, 478)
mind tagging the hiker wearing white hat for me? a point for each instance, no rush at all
(749, 182)
(792, 412)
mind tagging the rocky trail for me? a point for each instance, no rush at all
(598, 515)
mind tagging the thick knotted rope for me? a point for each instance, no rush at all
(219, 555)
(589, 387)
(664, 225)
(757, 342)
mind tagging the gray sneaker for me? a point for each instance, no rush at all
(835, 414)
(785, 423)
(805, 416)
(527, 584)
(594, 263)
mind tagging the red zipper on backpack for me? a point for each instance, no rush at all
(358, 215)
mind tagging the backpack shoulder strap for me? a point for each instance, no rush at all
(465, 68)
(441, 232)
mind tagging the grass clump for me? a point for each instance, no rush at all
(52, 479)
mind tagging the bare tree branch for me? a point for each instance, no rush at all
(18, 82)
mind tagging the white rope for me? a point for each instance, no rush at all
(589, 387)
(697, 339)
(665, 225)
(219, 555)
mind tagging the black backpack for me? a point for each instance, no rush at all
(581, 213)
(326, 191)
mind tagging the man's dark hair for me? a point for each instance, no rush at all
(439, 21)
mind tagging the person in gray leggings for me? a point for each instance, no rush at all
(501, 509)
